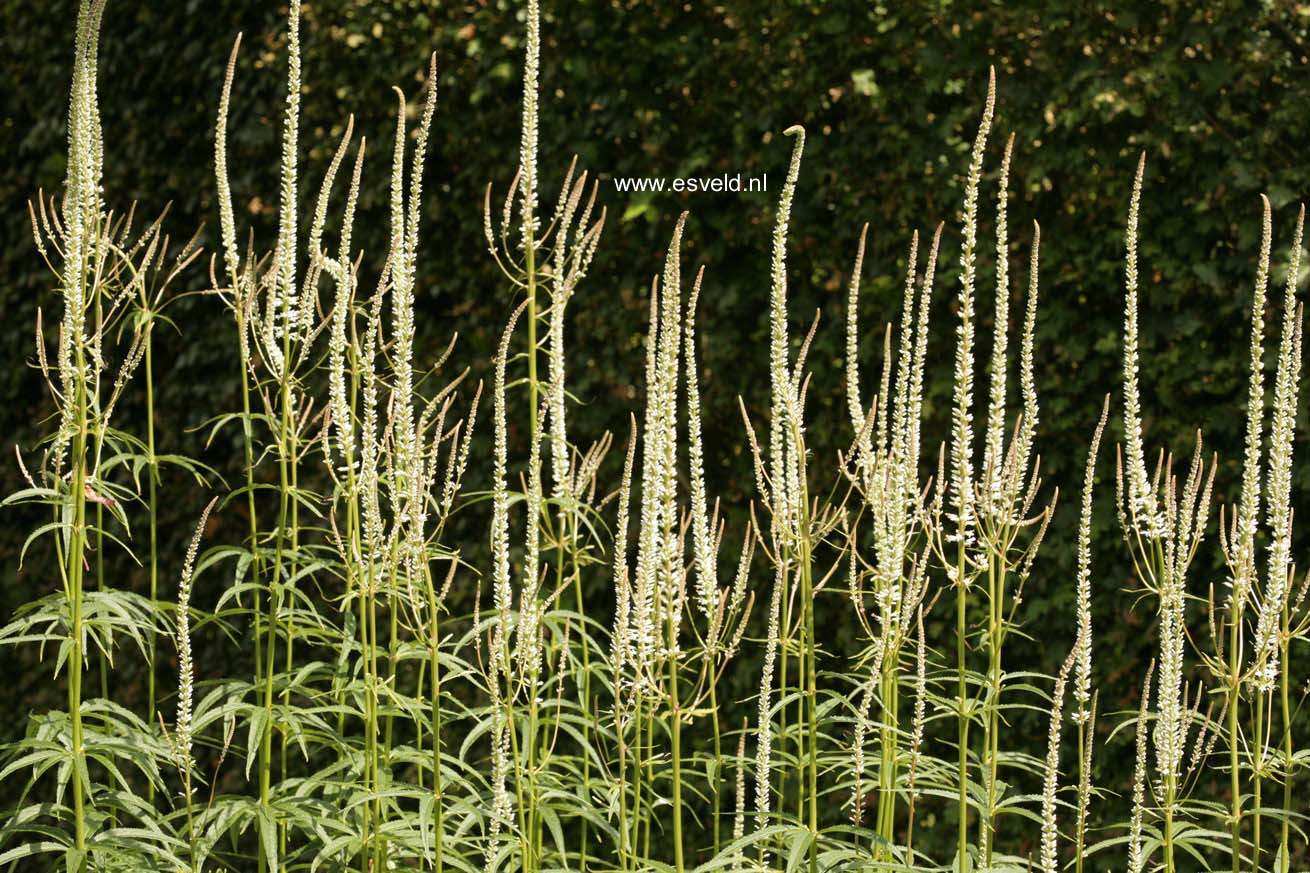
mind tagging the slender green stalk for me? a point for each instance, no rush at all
(374, 780)
(624, 847)
(961, 592)
(73, 573)
(1289, 762)
(434, 651)
(532, 838)
(100, 540)
(284, 462)
(675, 730)
(997, 571)
(585, 685)
(248, 449)
(890, 751)
(1084, 737)
(393, 643)
(1234, 761)
(152, 469)
(633, 833)
(1257, 778)
(294, 550)
(784, 710)
(648, 812)
(718, 769)
(809, 662)
(1169, 782)
(995, 598)
(101, 660)
(272, 630)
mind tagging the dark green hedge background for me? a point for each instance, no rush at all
(1217, 93)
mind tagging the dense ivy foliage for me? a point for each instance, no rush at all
(1216, 93)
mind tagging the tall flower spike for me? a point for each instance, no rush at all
(670, 553)
(80, 217)
(643, 638)
(1085, 778)
(502, 594)
(920, 699)
(317, 226)
(405, 212)
(402, 300)
(531, 604)
(414, 211)
(739, 818)
(227, 220)
(574, 249)
(1051, 783)
(502, 804)
(1278, 581)
(905, 356)
(344, 251)
(343, 423)
(1249, 509)
(1083, 674)
(764, 738)
(862, 707)
(185, 670)
(707, 582)
(528, 134)
(1027, 379)
(1135, 856)
(622, 636)
(457, 461)
(915, 414)
(284, 298)
(779, 367)
(853, 403)
(659, 590)
(994, 451)
(1142, 506)
(962, 418)
(559, 444)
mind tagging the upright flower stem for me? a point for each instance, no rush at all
(648, 812)
(285, 460)
(1084, 737)
(1257, 777)
(809, 660)
(624, 847)
(372, 781)
(638, 772)
(961, 593)
(1234, 762)
(962, 481)
(294, 551)
(996, 578)
(1169, 780)
(715, 788)
(434, 644)
(995, 598)
(275, 608)
(1288, 761)
(585, 685)
(887, 771)
(675, 731)
(102, 661)
(152, 469)
(784, 687)
(73, 574)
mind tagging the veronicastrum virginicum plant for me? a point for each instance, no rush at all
(388, 719)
